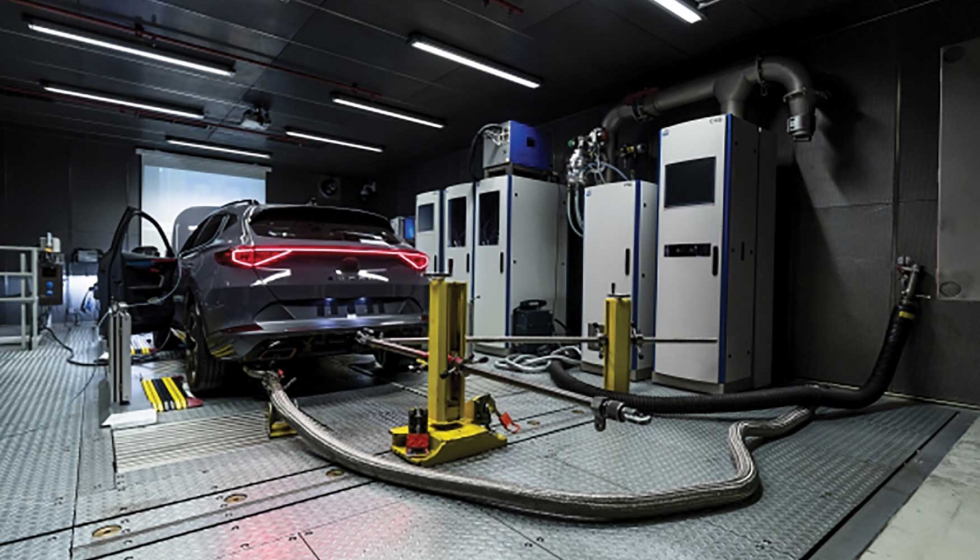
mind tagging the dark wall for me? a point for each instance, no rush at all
(77, 188)
(863, 192)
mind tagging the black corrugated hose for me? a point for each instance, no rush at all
(811, 396)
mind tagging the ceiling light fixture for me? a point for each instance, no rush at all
(142, 105)
(681, 10)
(385, 110)
(123, 47)
(333, 140)
(473, 61)
(216, 148)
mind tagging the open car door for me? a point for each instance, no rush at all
(139, 278)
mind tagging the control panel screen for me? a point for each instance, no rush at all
(426, 217)
(690, 182)
(410, 229)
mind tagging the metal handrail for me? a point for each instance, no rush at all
(27, 338)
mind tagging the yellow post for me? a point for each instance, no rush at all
(456, 428)
(447, 316)
(616, 366)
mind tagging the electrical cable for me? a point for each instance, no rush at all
(71, 350)
(604, 165)
(812, 396)
(579, 216)
(472, 151)
(530, 363)
(160, 300)
(568, 213)
(548, 502)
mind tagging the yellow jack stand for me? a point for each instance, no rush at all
(456, 428)
(619, 344)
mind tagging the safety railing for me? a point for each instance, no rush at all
(27, 297)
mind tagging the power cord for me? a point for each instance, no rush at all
(70, 360)
(529, 363)
(73, 397)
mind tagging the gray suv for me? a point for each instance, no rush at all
(261, 283)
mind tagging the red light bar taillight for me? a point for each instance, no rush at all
(253, 257)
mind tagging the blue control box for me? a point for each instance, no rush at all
(518, 144)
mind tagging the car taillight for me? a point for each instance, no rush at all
(418, 260)
(253, 257)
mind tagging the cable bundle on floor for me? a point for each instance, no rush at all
(530, 363)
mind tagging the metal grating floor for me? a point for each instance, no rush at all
(229, 493)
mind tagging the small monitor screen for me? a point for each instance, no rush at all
(427, 217)
(410, 229)
(690, 182)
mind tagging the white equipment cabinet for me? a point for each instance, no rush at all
(619, 256)
(428, 227)
(716, 231)
(516, 251)
(458, 237)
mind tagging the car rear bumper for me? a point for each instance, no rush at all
(282, 340)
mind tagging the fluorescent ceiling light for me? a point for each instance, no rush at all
(473, 61)
(336, 141)
(119, 46)
(681, 10)
(385, 110)
(124, 102)
(215, 148)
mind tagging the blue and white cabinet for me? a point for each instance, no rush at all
(518, 251)
(619, 256)
(428, 227)
(715, 250)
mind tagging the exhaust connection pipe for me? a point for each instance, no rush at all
(731, 88)
(542, 501)
(900, 324)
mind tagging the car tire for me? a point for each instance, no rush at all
(204, 372)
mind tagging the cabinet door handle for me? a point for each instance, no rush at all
(450, 267)
(714, 260)
(501, 262)
(627, 261)
(467, 263)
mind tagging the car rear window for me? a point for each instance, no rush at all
(311, 222)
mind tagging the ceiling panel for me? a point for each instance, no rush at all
(587, 52)
(253, 25)
(365, 43)
(390, 84)
(535, 11)
(782, 11)
(723, 23)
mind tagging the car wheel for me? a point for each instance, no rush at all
(204, 372)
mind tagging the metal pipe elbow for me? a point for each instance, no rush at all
(611, 123)
(800, 94)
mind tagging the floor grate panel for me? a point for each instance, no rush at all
(152, 446)
(167, 483)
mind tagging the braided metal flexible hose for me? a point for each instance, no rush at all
(551, 503)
